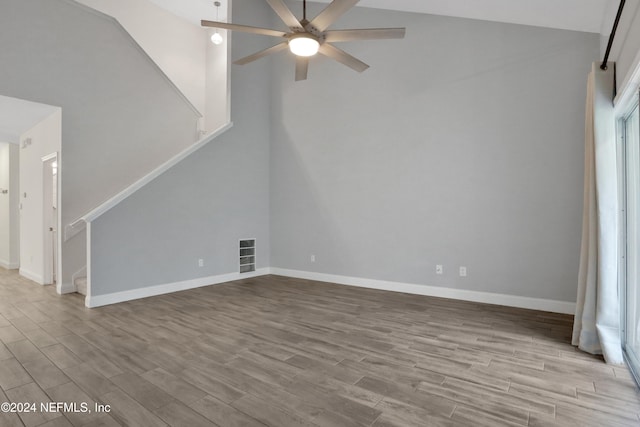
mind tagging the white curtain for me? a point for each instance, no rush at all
(596, 327)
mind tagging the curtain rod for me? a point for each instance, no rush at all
(612, 36)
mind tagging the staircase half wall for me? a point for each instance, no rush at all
(199, 209)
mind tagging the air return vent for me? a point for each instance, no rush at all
(247, 255)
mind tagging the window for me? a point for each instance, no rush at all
(630, 270)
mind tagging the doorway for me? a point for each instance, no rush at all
(34, 131)
(50, 217)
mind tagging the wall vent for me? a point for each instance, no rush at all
(247, 255)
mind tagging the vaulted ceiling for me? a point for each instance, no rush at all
(194, 10)
(594, 16)
(578, 15)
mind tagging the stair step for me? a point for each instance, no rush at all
(81, 285)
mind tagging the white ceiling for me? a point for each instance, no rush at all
(194, 10)
(595, 16)
(579, 15)
(18, 116)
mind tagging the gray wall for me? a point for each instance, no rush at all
(462, 145)
(202, 206)
(120, 115)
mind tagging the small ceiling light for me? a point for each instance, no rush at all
(216, 38)
(303, 45)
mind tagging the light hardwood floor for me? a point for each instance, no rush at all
(286, 352)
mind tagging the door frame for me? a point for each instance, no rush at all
(623, 285)
(47, 273)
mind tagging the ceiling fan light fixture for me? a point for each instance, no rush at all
(303, 45)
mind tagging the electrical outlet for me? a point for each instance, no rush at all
(439, 269)
(313, 258)
(463, 271)
(200, 262)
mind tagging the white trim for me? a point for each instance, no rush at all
(87, 298)
(229, 61)
(52, 156)
(70, 230)
(9, 266)
(47, 253)
(31, 276)
(116, 297)
(65, 288)
(435, 291)
(541, 304)
(625, 98)
(59, 286)
(113, 201)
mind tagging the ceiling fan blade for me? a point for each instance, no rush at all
(331, 13)
(262, 53)
(285, 14)
(302, 68)
(243, 28)
(365, 34)
(343, 57)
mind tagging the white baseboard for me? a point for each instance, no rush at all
(8, 265)
(409, 288)
(32, 276)
(435, 291)
(66, 288)
(116, 297)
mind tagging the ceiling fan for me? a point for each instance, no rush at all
(306, 38)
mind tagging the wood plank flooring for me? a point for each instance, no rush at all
(286, 352)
